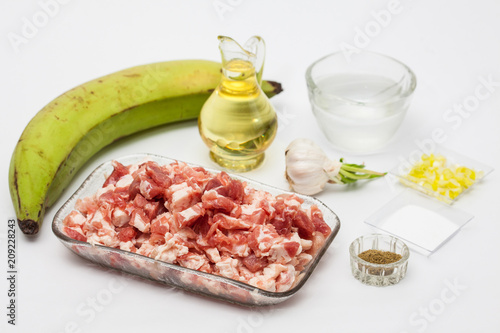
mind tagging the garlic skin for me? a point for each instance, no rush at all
(308, 169)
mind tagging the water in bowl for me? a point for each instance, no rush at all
(359, 112)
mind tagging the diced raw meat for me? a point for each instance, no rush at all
(261, 199)
(239, 244)
(119, 217)
(86, 206)
(230, 188)
(228, 268)
(74, 219)
(134, 187)
(75, 233)
(140, 201)
(161, 224)
(128, 246)
(124, 182)
(213, 254)
(214, 201)
(151, 209)
(263, 282)
(304, 225)
(291, 200)
(149, 189)
(192, 260)
(188, 216)
(318, 241)
(126, 234)
(139, 220)
(158, 175)
(157, 239)
(255, 264)
(212, 184)
(306, 244)
(211, 223)
(253, 215)
(188, 235)
(283, 252)
(234, 243)
(273, 270)
(140, 239)
(173, 248)
(262, 239)
(146, 249)
(286, 279)
(119, 170)
(229, 222)
(100, 231)
(181, 196)
(318, 221)
(302, 260)
(292, 248)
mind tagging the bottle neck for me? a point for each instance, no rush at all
(239, 78)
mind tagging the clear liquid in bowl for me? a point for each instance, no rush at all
(359, 112)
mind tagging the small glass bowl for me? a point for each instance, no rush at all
(378, 274)
(359, 99)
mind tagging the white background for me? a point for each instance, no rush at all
(450, 45)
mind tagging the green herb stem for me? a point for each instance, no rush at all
(350, 173)
(357, 168)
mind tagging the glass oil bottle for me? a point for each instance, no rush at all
(238, 122)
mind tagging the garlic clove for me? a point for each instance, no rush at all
(305, 167)
(306, 178)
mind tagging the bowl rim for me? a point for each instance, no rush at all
(407, 93)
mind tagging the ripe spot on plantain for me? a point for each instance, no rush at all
(16, 188)
(60, 119)
(79, 99)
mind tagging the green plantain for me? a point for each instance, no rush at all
(76, 125)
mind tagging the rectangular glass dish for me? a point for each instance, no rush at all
(198, 282)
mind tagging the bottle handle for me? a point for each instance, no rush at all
(257, 46)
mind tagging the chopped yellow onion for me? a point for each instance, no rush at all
(434, 173)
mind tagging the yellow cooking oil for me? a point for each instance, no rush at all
(238, 122)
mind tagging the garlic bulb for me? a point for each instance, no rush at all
(308, 169)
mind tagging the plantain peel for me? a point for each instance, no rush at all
(72, 128)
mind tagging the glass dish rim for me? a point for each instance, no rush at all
(449, 154)
(404, 258)
(407, 93)
(58, 218)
